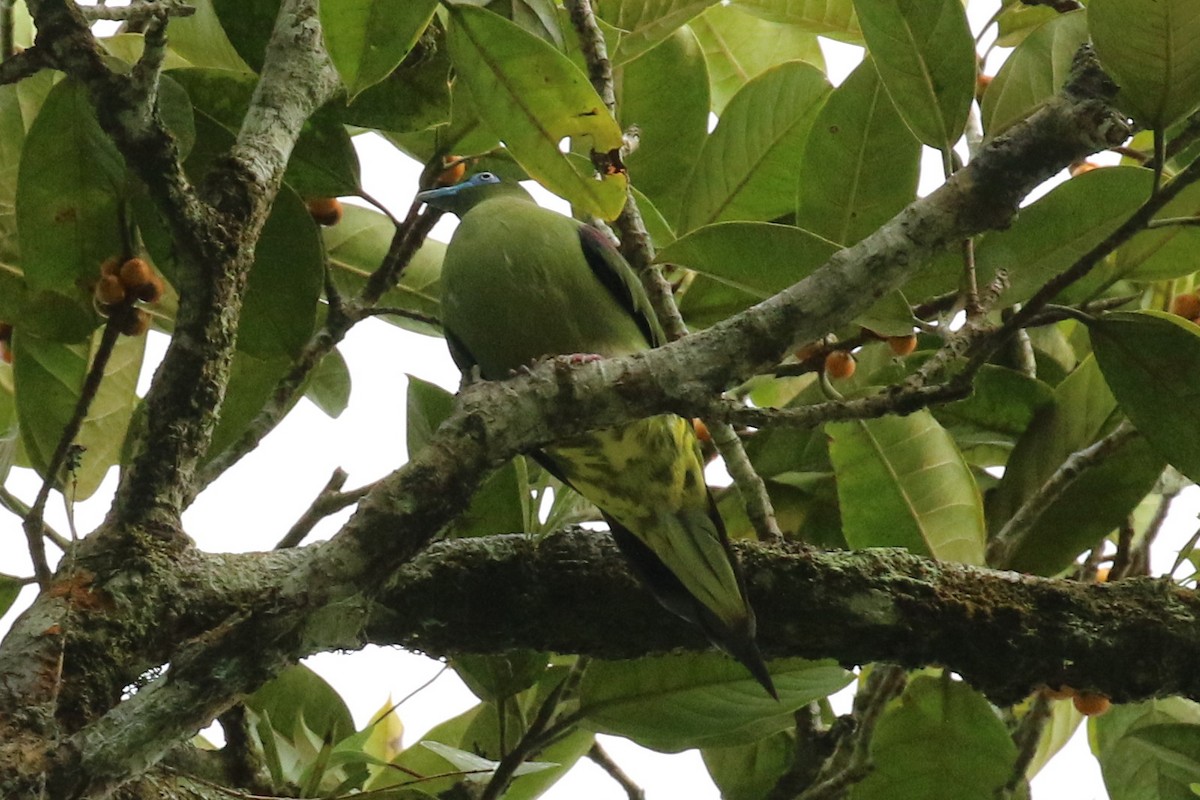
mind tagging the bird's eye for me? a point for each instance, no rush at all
(487, 177)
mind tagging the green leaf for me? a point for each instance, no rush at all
(500, 505)
(1149, 359)
(741, 263)
(673, 703)
(750, 771)
(1034, 72)
(925, 55)
(833, 18)
(201, 41)
(68, 196)
(739, 47)
(300, 696)
(1051, 234)
(1163, 253)
(356, 246)
(645, 23)
(252, 381)
(367, 39)
(329, 386)
(248, 24)
(861, 163)
(10, 589)
(903, 483)
(532, 96)
(1092, 506)
(1016, 21)
(1058, 730)
(1002, 400)
(493, 678)
(19, 106)
(665, 93)
(323, 163)
(1152, 50)
(748, 167)
(48, 377)
(941, 740)
(413, 97)
(1150, 749)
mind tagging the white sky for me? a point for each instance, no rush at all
(273, 486)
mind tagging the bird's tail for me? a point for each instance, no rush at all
(735, 636)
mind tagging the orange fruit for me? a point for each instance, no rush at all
(109, 290)
(456, 167)
(903, 345)
(1080, 167)
(135, 273)
(326, 211)
(839, 364)
(1186, 305)
(151, 291)
(110, 266)
(701, 430)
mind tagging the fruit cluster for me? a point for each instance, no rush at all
(122, 284)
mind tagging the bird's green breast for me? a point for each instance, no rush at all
(516, 287)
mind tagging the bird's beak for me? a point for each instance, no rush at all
(436, 197)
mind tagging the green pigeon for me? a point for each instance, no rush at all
(522, 283)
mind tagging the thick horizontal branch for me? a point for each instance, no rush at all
(1004, 632)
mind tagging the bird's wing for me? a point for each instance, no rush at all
(615, 274)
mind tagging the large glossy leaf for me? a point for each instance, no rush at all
(748, 167)
(926, 57)
(1034, 72)
(665, 93)
(673, 703)
(739, 46)
(940, 741)
(248, 25)
(903, 483)
(1097, 501)
(1149, 359)
(645, 23)
(68, 196)
(532, 97)
(280, 307)
(329, 384)
(323, 163)
(252, 381)
(413, 97)
(201, 41)
(833, 18)
(367, 39)
(1149, 750)
(48, 377)
(861, 163)
(750, 771)
(356, 246)
(741, 263)
(298, 694)
(1163, 253)
(19, 105)
(1152, 49)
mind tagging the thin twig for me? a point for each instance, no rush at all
(598, 756)
(330, 501)
(35, 529)
(749, 483)
(1002, 546)
(1026, 738)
